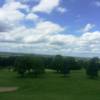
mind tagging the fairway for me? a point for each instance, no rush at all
(51, 86)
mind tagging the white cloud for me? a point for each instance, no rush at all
(62, 10)
(10, 15)
(14, 6)
(45, 37)
(49, 27)
(32, 16)
(46, 6)
(41, 30)
(97, 3)
(88, 27)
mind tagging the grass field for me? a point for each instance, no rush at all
(51, 87)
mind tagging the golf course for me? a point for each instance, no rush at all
(51, 86)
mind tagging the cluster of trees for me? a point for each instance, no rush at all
(36, 65)
(7, 62)
(62, 64)
(32, 66)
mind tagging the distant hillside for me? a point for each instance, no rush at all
(7, 54)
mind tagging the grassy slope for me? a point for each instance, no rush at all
(51, 87)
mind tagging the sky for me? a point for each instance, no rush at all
(65, 27)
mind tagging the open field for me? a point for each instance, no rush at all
(50, 87)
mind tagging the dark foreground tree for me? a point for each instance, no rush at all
(93, 68)
(37, 66)
(21, 66)
(65, 69)
(48, 62)
(57, 63)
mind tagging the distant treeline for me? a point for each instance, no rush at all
(34, 66)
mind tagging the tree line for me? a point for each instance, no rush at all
(34, 66)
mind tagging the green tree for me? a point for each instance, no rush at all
(65, 69)
(21, 66)
(93, 68)
(73, 63)
(48, 62)
(26, 66)
(37, 66)
(57, 63)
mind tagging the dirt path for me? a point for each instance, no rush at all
(8, 89)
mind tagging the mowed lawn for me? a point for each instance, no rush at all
(51, 86)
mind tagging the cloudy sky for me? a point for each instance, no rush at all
(67, 27)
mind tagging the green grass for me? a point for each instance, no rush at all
(51, 87)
